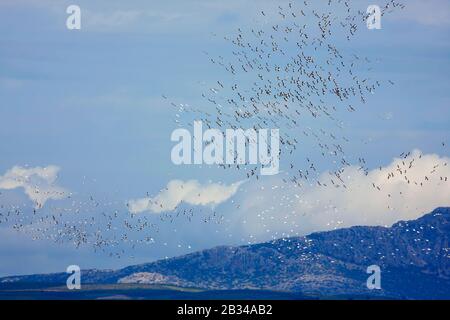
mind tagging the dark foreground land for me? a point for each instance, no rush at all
(152, 292)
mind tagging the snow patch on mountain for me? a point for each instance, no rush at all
(147, 278)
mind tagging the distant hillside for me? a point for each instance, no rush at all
(414, 257)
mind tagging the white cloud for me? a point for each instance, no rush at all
(101, 20)
(427, 12)
(10, 83)
(191, 192)
(38, 183)
(377, 198)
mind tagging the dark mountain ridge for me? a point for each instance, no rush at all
(414, 257)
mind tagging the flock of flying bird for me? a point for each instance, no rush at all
(287, 73)
(291, 75)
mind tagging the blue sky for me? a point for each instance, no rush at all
(89, 102)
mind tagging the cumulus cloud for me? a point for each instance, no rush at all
(405, 189)
(191, 192)
(38, 183)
